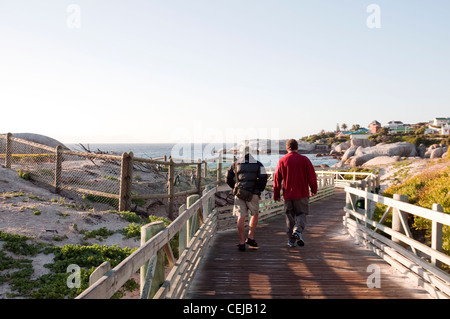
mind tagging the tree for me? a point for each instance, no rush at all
(344, 126)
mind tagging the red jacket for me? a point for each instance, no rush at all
(297, 174)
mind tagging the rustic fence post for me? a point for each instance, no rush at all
(170, 188)
(8, 155)
(436, 235)
(199, 177)
(219, 169)
(205, 175)
(58, 166)
(152, 272)
(126, 175)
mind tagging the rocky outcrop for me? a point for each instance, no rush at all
(436, 151)
(40, 139)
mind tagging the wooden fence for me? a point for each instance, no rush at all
(269, 207)
(395, 244)
(48, 167)
(360, 179)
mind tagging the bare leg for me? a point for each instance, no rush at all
(252, 226)
(241, 229)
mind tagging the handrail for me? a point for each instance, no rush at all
(417, 260)
(177, 282)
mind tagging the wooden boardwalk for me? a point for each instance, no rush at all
(330, 265)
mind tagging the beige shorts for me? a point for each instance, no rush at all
(242, 208)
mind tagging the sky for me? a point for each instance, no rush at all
(218, 71)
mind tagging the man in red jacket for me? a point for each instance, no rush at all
(298, 177)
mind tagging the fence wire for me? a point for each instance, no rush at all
(97, 177)
(82, 173)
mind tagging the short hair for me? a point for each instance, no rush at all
(292, 145)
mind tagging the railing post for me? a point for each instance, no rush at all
(199, 177)
(182, 235)
(171, 188)
(192, 222)
(8, 155)
(397, 216)
(58, 166)
(219, 169)
(126, 174)
(436, 235)
(152, 279)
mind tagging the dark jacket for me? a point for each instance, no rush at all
(251, 174)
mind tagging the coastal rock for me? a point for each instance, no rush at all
(438, 152)
(349, 153)
(401, 149)
(37, 138)
(421, 149)
(361, 142)
(341, 148)
(381, 160)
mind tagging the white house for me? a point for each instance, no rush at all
(431, 130)
(440, 121)
(445, 130)
(394, 124)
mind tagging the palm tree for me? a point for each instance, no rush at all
(344, 126)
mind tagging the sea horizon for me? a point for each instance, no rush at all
(188, 151)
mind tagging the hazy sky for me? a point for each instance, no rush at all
(203, 70)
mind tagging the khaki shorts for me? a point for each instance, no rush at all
(242, 208)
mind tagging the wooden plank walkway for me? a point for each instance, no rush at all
(330, 265)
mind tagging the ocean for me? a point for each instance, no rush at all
(187, 151)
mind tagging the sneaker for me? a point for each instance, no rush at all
(298, 237)
(241, 247)
(291, 244)
(252, 243)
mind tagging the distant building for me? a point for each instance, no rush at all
(374, 127)
(445, 130)
(441, 121)
(431, 130)
(392, 125)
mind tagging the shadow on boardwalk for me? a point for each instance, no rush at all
(330, 265)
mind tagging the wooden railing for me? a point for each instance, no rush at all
(198, 221)
(362, 179)
(396, 244)
(269, 207)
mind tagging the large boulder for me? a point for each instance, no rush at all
(40, 139)
(361, 142)
(401, 149)
(438, 152)
(341, 148)
(349, 153)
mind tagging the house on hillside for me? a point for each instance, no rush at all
(445, 130)
(374, 127)
(398, 127)
(431, 130)
(441, 121)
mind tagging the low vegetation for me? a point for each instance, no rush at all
(425, 189)
(17, 252)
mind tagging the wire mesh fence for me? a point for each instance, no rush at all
(117, 181)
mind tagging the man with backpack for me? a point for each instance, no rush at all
(247, 177)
